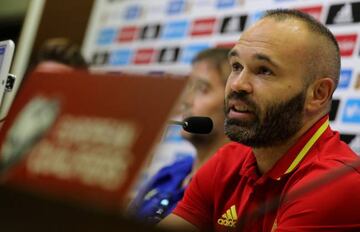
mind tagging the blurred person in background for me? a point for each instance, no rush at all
(203, 96)
(59, 54)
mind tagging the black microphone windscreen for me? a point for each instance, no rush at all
(198, 125)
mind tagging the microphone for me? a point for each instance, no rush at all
(196, 124)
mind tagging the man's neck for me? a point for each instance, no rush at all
(266, 158)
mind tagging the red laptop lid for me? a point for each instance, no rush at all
(84, 137)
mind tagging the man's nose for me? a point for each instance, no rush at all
(241, 82)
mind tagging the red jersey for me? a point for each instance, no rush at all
(228, 194)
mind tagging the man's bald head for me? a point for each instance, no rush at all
(323, 55)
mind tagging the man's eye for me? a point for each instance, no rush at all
(265, 71)
(236, 67)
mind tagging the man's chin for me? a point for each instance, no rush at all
(237, 133)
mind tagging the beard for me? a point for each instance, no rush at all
(279, 122)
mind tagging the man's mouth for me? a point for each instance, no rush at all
(240, 109)
(240, 112)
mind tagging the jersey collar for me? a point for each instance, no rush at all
(290, 161)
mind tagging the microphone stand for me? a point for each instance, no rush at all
(183, 124)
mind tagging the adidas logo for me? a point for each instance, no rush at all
(229, 218)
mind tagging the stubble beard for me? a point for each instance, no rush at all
(280, 122)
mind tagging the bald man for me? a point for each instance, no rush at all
(285, 69)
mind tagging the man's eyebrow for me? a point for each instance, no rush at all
(258, 56)
(265, 58)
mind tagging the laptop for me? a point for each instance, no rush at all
(7, 48)
(83, 138)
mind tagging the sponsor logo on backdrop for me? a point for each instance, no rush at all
(127, 34)
(334, 109)
(314, 11)
(100, 58)
(144, 56)
(344, 13)
(169, 55)
(202, 27)
(225, 3)
(345, 78)
(233, 24)
(175, 7)
(150, 31)
(190, 51)
(347, 44)
(175, 30)
(120, 57)
(106, 36)
(132, 12)
(351, 112)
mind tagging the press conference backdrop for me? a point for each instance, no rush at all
(164, 35)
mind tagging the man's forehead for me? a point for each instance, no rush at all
(269, 29)
(288, 36)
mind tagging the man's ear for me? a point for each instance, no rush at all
(319, 94)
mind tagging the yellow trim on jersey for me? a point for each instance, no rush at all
(307, 146)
